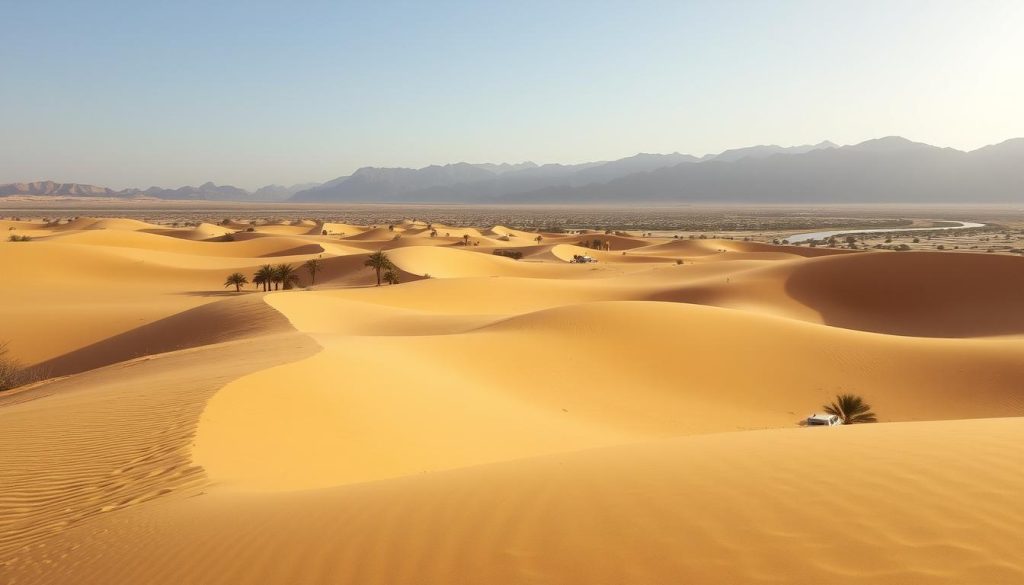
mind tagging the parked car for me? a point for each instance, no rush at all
(823, 420)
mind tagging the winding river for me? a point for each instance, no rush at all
(798, 238)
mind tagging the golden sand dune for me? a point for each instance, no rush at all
(634, 420)
(921, 294)
(718, 246)
(252, 248)
(790, 506)
(94, 223)
(924, 293)
(414, 426)
(226, 320)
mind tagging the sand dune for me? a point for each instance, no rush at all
(254, 248)
(114, 438)
(226, 320)
(247, 437)
(916, 293)
(502, 421)
(94, 223)
(793, 506)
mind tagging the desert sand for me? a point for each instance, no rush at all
(490, 420)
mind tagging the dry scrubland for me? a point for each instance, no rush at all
(506, 421)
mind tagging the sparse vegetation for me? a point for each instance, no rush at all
(264, 277)
(17, 238)
(286, 276)
(313, 265)
(513, 254)
(237, 280)
(851, 409)
(380, 262)
(391, 276)
(11, 372)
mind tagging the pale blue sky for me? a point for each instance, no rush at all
(123, 93)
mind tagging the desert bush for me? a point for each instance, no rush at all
(17, 238)
(11, 372)
(513, 254)
(851, 409)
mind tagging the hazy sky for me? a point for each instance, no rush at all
(139, 93)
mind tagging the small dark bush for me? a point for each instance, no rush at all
(513, 254)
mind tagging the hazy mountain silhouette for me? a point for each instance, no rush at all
(279, 192)
(206, 191)
(464, 182)
(56, 189)
(762, 151)
(891, 169)
(390, 184)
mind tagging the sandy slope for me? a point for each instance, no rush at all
(789, 506)
(504, 421)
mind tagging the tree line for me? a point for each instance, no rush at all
(286, 276)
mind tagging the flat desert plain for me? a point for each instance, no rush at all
(489, 420)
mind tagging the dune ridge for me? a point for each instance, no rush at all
(488, 420)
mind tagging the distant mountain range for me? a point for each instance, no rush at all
(891, 169)
(205, 192)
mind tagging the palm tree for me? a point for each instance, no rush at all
(379, 261)
(259, 280)
(390, 276)
(465, 239)
(264, 277)
(286, 275)
(237, 279)
(313, 265)
(539, 238)
(851, 409)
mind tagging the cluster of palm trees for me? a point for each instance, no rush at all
(286, 276)
(270, 277)
(276, 277)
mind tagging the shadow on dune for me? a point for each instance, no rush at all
(296, 251)
(217, 322)
(217, 293)
(922, 294)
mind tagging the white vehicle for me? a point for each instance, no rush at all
(578, 259)
(823, 420)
